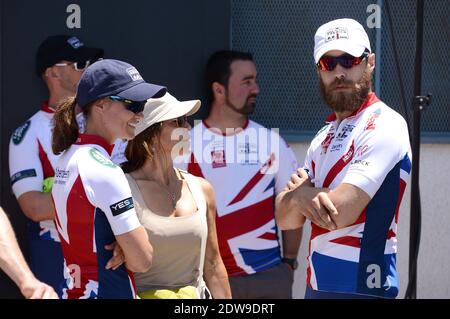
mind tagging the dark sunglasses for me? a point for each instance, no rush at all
(181, 121)
(133, 106)
(329, 63)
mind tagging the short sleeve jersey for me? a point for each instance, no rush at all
(93, 205)
(31, 160)
(246, 169)
(369, 149)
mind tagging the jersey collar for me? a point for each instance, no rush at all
(222, 133)
(46, 108)
(370, 100)
(84, 139)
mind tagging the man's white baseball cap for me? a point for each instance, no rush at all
(345, 35)
(165, 108)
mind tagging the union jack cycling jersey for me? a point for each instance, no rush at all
(93, 205)
(369, 149)
(246, 170)
(31, 160)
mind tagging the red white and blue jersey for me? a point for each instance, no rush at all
(31, 160)
(369, 149)
(93, 205)
(246, 170)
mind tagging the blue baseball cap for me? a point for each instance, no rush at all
(113, 77)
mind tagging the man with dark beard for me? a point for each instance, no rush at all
(353, 178)
(247, 165)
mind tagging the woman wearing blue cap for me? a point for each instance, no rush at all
(93, 202)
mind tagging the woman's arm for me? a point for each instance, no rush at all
(214, 271)
(137, 249)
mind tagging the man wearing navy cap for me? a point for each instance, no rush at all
(60, 62)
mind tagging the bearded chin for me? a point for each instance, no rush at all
(341, 101)
(247, 109)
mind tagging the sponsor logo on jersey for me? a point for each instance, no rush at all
(99, 157)
(370, 125)
(218, 158)
(20, 132)
(61, 176)
(347, 157)
(335, 148)
(361, 150)
(60, 173)
(247, 154)
(327, 141)
(122, 206)
(23, 174)
(360, 162)
(344, 132)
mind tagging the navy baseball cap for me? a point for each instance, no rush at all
(64, 47)
(113, 77)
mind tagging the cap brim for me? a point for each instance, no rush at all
(142, 92)
(182, 108)
(342, 45)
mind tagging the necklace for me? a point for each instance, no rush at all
(171, 194)
(166, 188)
(174, 202)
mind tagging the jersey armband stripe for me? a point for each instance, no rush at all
(23, 174)
(122, 206)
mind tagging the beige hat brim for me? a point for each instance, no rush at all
(181, 108)
(167, 111)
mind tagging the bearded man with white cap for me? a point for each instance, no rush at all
(354, 175)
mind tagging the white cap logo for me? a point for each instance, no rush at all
(336, 34)
(134, 74)
(75, 42)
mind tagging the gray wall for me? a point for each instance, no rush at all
(169, 42)
(280, 34)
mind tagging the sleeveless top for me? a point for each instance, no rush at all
(179, 243)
